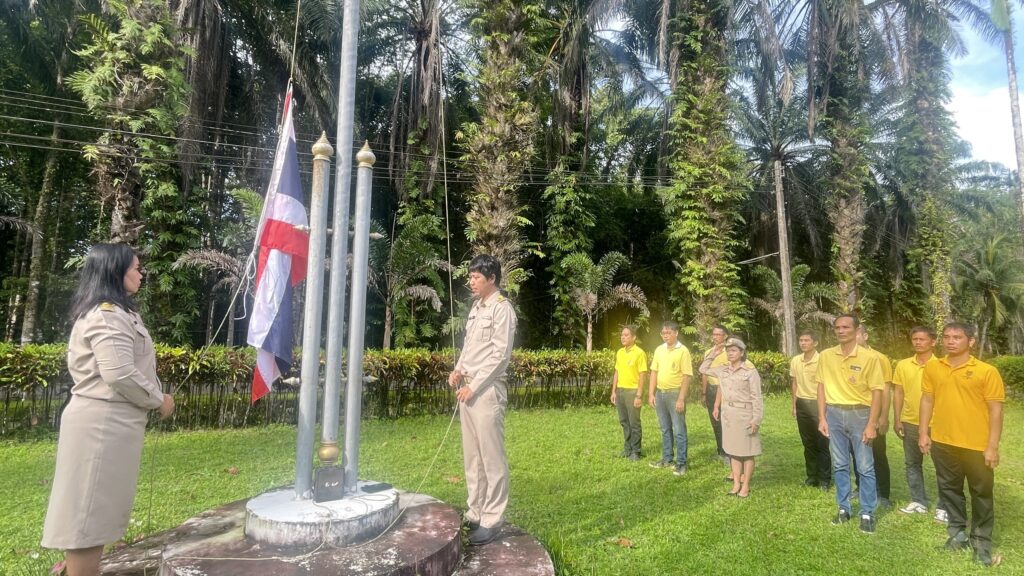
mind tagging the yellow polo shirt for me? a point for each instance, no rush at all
(962, 394)
(671, 364)
(849, 379)
(720, 360)
(886, 365)
(804, 372)
(908, 376)
(629, 364)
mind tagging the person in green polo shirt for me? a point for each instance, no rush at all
(628, 390)
(671, 370)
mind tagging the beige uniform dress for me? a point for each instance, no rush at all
(112, 362)
(741, 408)
(490, 332)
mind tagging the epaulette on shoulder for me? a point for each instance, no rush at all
(501, 298)
(107, 306)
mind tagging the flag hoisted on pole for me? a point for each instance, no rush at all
(283, 246)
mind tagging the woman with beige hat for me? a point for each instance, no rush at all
(740, 408)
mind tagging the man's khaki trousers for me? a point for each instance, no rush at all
(483, 450)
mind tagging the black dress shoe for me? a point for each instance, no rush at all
(482, 535)
(472, 525)
(810, 482)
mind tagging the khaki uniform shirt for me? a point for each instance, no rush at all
(740, 386)
(111, 357)
(487, 350)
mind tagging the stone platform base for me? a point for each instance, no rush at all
(425, 541)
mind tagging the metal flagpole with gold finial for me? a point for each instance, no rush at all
(357, 318)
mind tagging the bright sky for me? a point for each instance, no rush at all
(981, 99)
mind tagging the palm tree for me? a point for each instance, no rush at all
(500, 147)
(45, 33)
(920, 34)
(990, 283)
(593, 290)
(809, 298)
(228, 264)
(404, 270)
(708, 184)
(1002, 18)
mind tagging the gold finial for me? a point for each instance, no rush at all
(328, 452)
(323, 150)
(365, 156)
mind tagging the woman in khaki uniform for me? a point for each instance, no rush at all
(113, 365)
(740, 408)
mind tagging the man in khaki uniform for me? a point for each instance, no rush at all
(479, 376)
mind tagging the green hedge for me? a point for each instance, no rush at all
(211, 388)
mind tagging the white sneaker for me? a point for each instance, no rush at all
(914, 508)
(941, 516)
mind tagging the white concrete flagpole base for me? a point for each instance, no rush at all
(277, 518)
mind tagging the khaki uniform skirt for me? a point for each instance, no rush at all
(736, 422)
(98, 455)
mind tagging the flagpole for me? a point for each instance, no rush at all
(312, 319)
(339, 239)
(357, 321)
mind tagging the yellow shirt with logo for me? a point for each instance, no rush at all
(671, 364)
(720, 360)
(908, 376)
(961, 394)
(629, 364)
(849, 379)
(804, 372)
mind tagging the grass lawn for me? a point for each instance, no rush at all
(596, 513)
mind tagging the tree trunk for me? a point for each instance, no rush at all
(388, 319)
(1018, 137)
(983, 340)
(590, 335)
(35, 273)
(788, 317)
(210, 316)
(232, 306)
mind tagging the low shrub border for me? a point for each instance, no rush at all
(34, 383)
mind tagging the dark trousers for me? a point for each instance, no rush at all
(882, 478)
(817, 461)
(953, 465)
(883, 482)
(716, 425)
(629, 419)
(913, 459)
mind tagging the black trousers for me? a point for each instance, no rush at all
(716, 425)
(953, 465)
(882, 476)
(883, 481)
(817, 459)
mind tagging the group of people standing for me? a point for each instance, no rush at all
(730, 390)
(949, 407)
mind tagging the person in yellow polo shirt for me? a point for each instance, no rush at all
(709, 386)
(883, 481)
(850, 386)
(628, 390)
(906, 402)
(802, 371)
(671, 371)
(961, 424)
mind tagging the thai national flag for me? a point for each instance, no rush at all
(284, 244)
